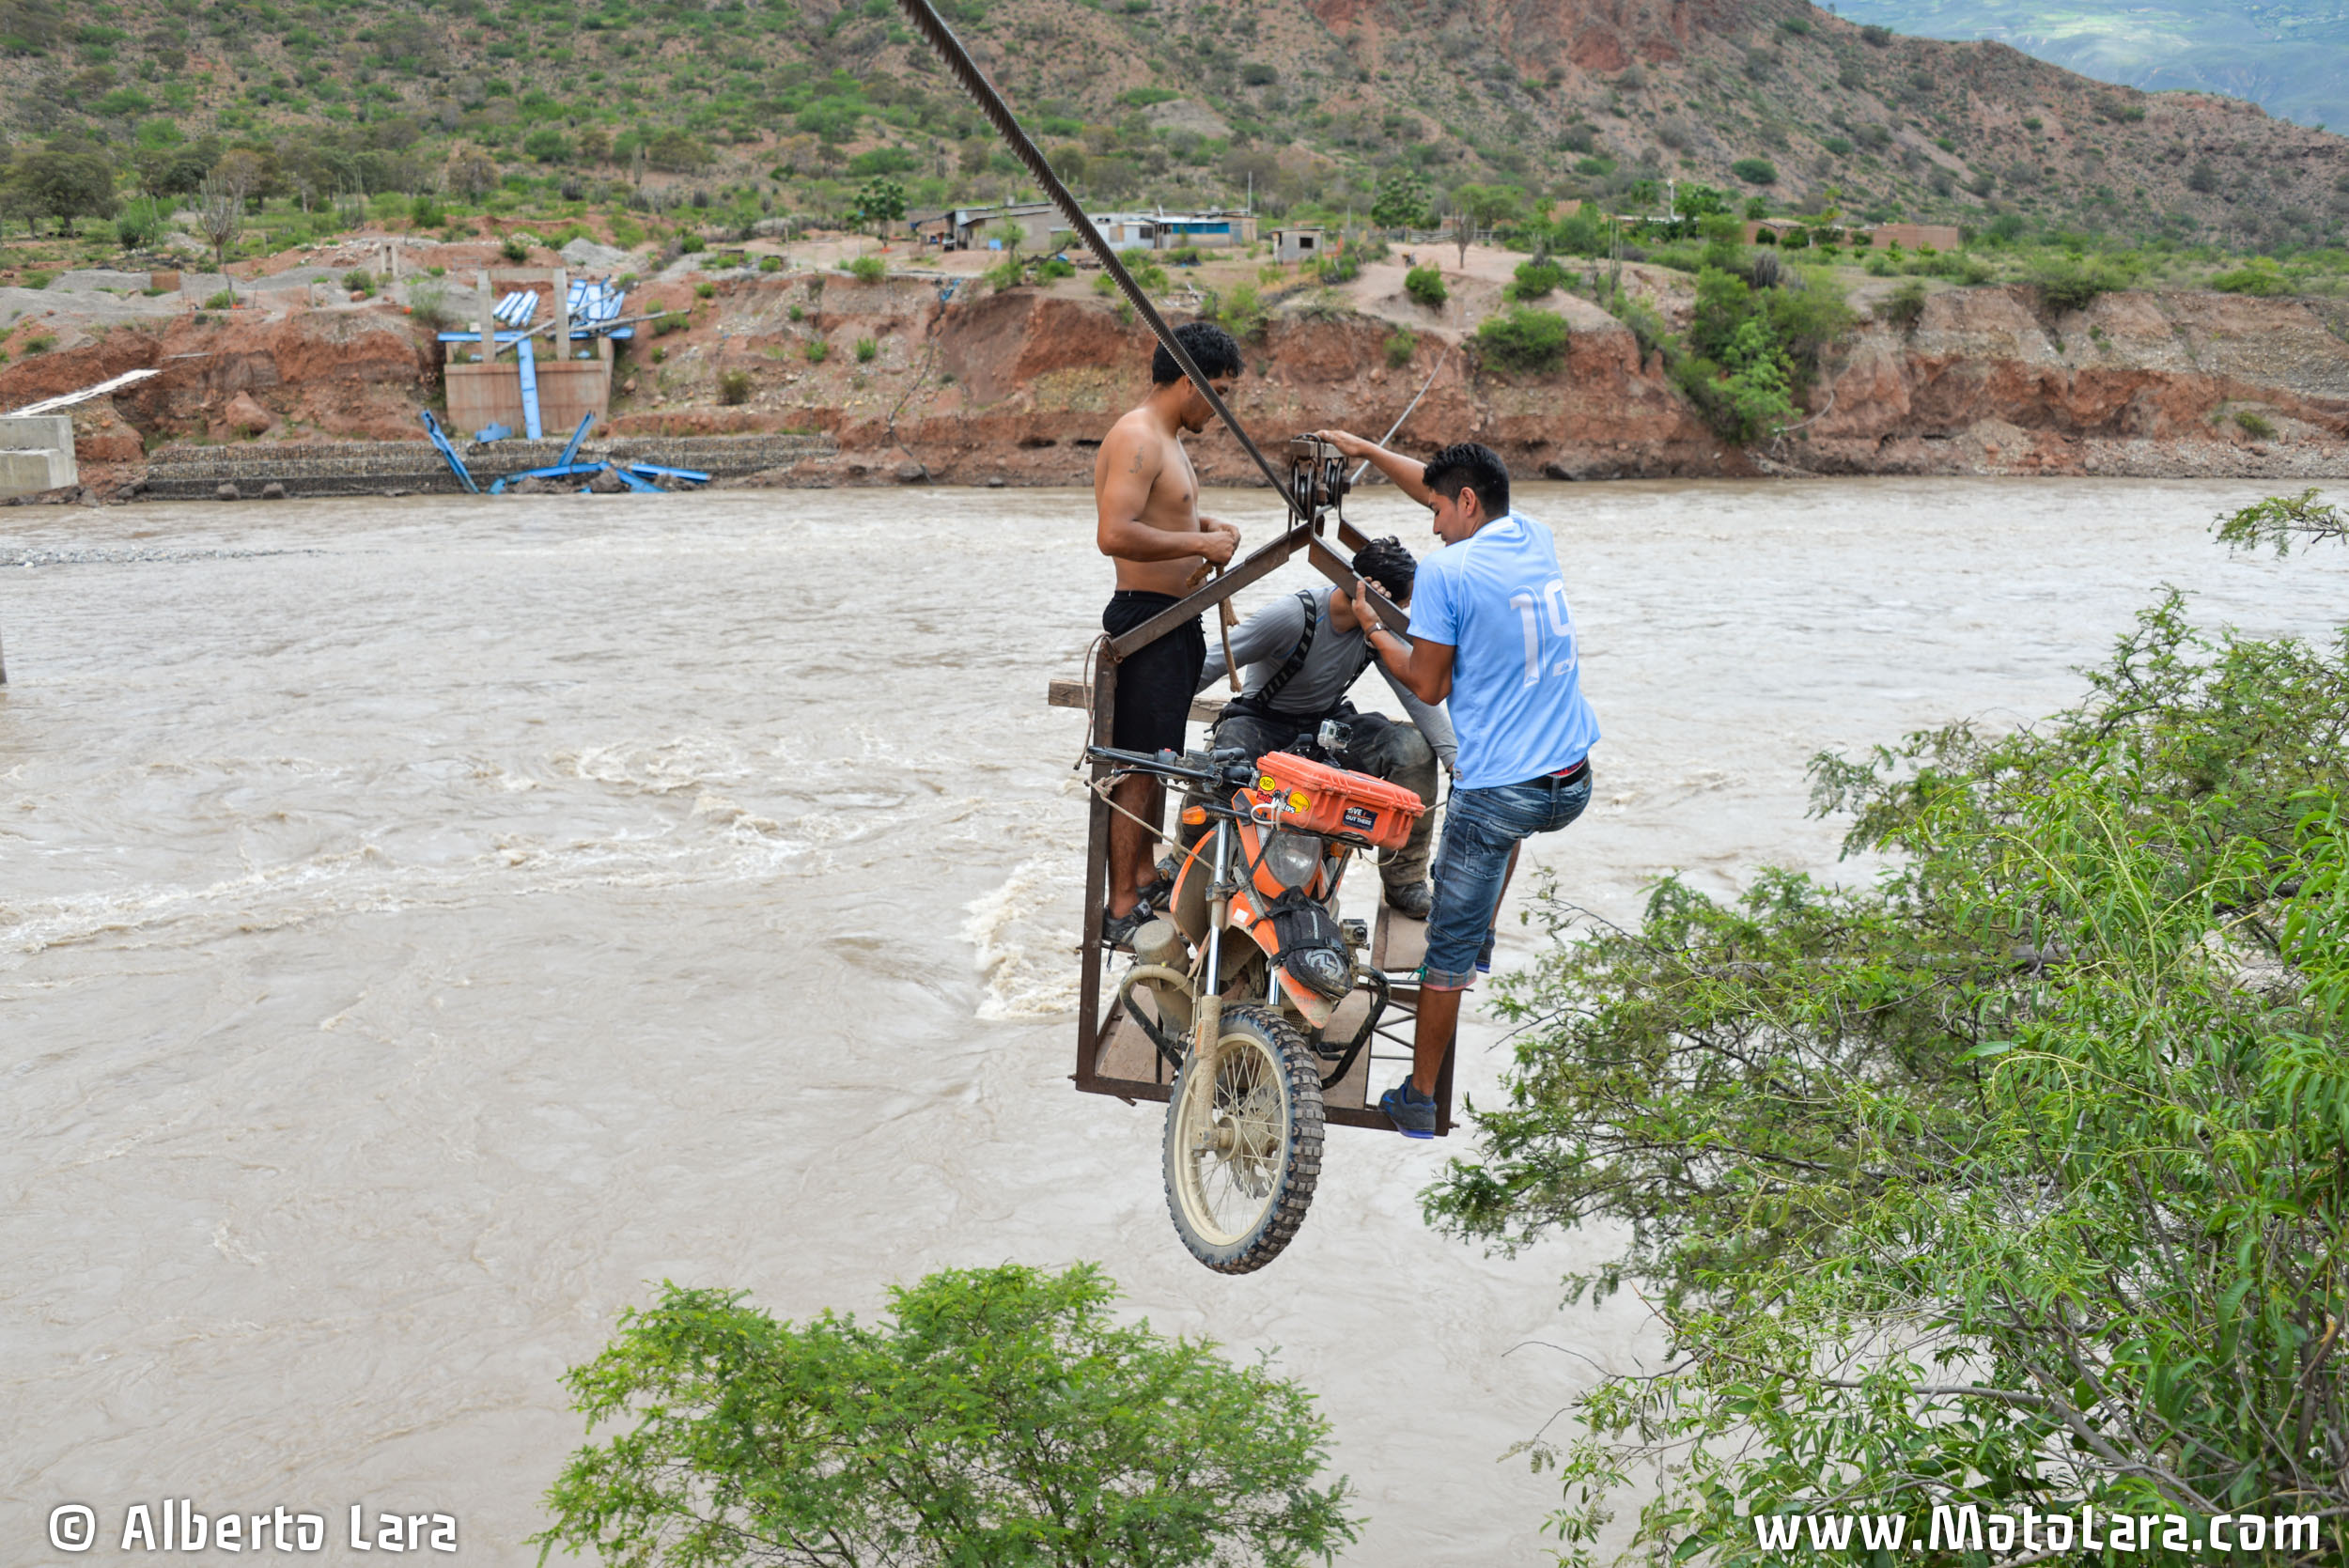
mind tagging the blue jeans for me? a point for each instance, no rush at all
(1480, 828)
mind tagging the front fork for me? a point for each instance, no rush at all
(1207, 1027)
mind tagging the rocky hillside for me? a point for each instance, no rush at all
(786, 104)
(1018, 387)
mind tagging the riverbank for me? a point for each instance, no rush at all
(923, 377)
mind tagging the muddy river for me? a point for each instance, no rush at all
(426, 925)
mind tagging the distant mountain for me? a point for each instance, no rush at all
(2289, 56)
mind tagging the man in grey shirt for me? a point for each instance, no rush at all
(1301, 654)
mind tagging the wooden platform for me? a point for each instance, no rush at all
(1072, 693)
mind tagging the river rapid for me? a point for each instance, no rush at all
(428, 925)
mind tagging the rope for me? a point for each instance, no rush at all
(991, 104)
(928, 352)
(1100, 788)
(1093, 653)
(1356, 477)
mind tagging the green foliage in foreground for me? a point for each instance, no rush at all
(1002, 1418)
(2280, 520)
(2017, 1178)
(1425, 285)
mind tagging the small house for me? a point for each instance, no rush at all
(1297, 244)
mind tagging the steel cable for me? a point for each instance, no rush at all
(997, 114)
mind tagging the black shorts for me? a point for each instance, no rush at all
(1155, 683)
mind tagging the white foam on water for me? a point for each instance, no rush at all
(1021, 942)
(657, 767)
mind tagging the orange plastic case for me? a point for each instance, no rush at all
(1337, 800)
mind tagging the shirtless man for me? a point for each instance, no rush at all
(1148, 498)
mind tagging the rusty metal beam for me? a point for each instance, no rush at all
(1096, 873)
(1260, 565)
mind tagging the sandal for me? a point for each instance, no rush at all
(1117, 931)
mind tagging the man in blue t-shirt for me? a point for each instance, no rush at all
(1490, 630)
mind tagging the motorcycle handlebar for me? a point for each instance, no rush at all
(1147, 763)
(1227, 769)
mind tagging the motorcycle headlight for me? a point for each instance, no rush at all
(1331, 973)
(1292, 857)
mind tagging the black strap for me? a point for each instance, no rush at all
(1261, 697)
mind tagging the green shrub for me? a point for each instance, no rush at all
(425, 212)
(1952, 265)
(1104, 284)
(1580, 233)
(868, 269)
(691, 244)
(2255, 426)
(1150, 277)
(512, 248)
(667, 321)
(1839, 146)
(1401, 345)
(1425, 285)
(1053, 267)
(2071, 282)
(1755, 171)
(2258, 277)
(429, 304)
(33, 277)
(1343, 268)
(733, 387)
(224, 300)
(359, 281)
(705, 290)
(771, 264)
(1241, 311)
(866, 349)
(1965, 1213)
(1536, 280)
(1186, 256)
(1524, 339)
(135, 228)
(817, 351)
(990, 1416)
(38, 343)
(796, 314)
(1903, 305)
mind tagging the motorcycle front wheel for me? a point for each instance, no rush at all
(1244, 1142)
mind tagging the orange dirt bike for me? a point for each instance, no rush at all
(1238, 980)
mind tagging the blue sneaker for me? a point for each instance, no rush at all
(1412, 1113)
